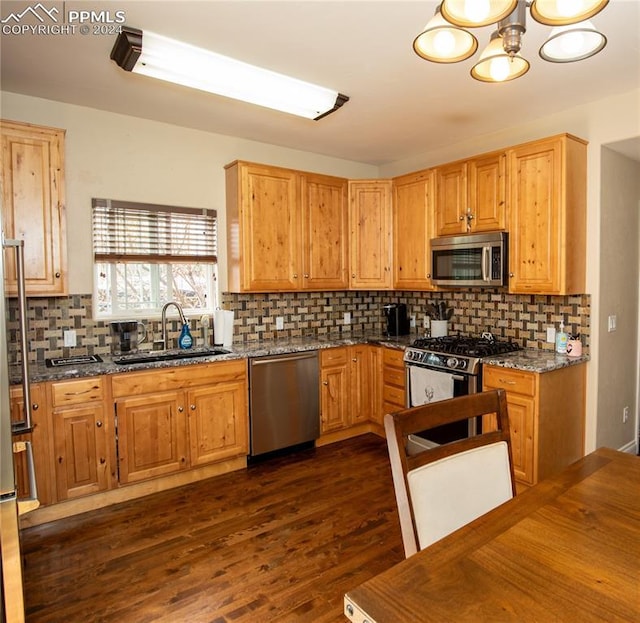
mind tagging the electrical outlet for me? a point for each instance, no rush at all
(279, 323)
(625, 414)
(412, 321)
(69, 338)
(551, 335)
(612, 323)
(347, 318)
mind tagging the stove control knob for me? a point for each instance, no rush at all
(452, 362)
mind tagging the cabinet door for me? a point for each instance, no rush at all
(362, 398)
(217, 422)
(535, 220)
(81, 455)
(488, 192)
(451, 199)
(412, 231)
(370, 239)
(521, 426)
(33, 207)
(269, 228)
(39, 438)
(375, 378)
(325, 233)
(152, 435)
(334, 389)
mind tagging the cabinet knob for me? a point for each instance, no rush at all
(462, 217)
(193, 407)
(306, 276)
(354, 359)
(295, 275)
(99, 424)
(510, 274)
(57, 275)
(102, 460)
(180, 409)
(325, 382)
(354, 275)
(429, 275)
(35, 406)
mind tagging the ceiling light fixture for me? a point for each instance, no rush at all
(572, 39)
(159, 57)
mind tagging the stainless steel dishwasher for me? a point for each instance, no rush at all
(284, 401)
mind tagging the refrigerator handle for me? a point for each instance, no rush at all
(25, 424)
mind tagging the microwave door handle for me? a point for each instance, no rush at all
(486, 269)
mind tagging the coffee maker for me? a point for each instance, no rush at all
(397, 319)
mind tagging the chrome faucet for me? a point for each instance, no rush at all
(164, 320)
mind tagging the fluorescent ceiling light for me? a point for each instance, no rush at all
(159, 57)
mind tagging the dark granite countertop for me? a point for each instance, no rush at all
(529, 360)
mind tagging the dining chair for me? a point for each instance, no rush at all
(443, 487)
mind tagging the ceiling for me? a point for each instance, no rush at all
(400, 105)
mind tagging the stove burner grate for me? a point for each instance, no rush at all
(464, 345)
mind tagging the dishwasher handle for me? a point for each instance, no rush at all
(260, 361)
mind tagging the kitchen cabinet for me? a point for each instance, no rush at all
(286, 229)
(370, 224)
(179, 418)
(83, 437)
(39, 437)
(393, 381)
(33, 205)
(471, 195)
(413, 204)
(546, 414)
(347, 387)
(325, 233)
(547, 222)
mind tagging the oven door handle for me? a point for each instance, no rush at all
(457, 377)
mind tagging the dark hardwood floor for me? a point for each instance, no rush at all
(280, 541)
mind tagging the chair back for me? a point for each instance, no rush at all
(443, 487)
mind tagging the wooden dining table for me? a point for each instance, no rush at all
(565, 550)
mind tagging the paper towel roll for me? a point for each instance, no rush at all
(223, 328)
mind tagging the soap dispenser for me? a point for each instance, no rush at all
(561, 340)
(186, 341)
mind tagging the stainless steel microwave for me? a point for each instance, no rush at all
(471, 260)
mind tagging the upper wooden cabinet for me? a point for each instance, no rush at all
(412, 230)
(370, 225)
(325, 233)
(33, 205)
(547, 222)
(471, 195)
(286, 230)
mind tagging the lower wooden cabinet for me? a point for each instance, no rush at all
(179, 418)
(546, 415)
(393, 381)
(83, 437)
(348, 387)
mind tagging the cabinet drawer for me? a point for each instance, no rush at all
(393, 395)
(333, 357)
(393, 357)
(76, 392)
(511, 380)
(394, 376)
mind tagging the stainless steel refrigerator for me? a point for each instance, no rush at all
(12, 602)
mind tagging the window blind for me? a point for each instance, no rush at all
(138, 232)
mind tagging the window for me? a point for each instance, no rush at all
(146, 255)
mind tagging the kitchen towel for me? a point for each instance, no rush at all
(223, 328)
(429, 385)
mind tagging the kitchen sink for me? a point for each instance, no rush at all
(168, 355)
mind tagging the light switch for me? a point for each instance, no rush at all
(612, 323)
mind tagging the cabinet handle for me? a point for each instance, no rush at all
(180, 409)
(102, 461)
(35, 406)
(506, 382)
(99, 424)
(193, 407)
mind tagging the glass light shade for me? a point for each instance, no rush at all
(567, 44)
(565, 12)
(190, 66)
(495, 65)
(476, 13)
(441, 42)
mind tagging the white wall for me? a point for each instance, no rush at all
(619, 260)
(121, 157)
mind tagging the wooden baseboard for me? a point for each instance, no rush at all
(125, 493)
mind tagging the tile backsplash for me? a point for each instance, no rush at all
(522, 318)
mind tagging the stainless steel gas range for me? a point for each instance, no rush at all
(445, 367)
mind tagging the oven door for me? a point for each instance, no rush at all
(425, 385)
